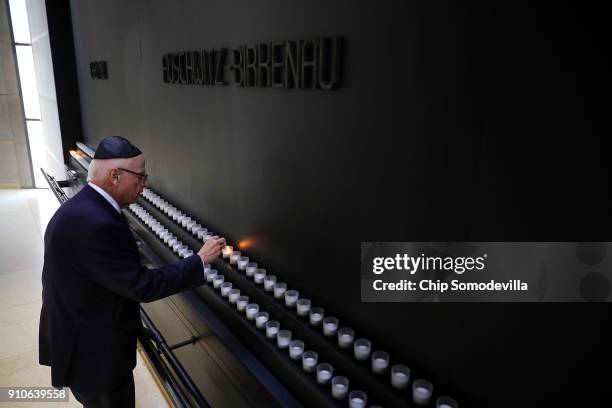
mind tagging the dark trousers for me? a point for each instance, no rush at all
(120, 397)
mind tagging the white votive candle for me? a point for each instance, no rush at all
(324, 373)
(269, 282)
(400, 376)
(446, 402)
(303, 306)
(279, 290)
(251, 268)
(261, 318)
(291, 297)
(218, 280)
(210, 275)
(330, 326)
(234, 257)
(225, 288)
(316, 316)
(362, 348)
(233, 295)
(242, 263)
(227, 251)
(296, 349)
(272, 328)
(259, 276)
(421, 392)
(357, 399)
(283, 338)
(346, 335)
(380, 362)
(309, 361)
(340, 385)
(251, 310)
(241, 303)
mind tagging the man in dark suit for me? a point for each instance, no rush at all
(93, 281)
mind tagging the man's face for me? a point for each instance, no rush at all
(130, 185)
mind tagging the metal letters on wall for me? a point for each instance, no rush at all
(98, 70)
(301, 64)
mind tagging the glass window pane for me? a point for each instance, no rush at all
(19, 18)
(37, 149)
(28, 81)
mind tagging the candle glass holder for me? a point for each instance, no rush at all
(241, 303)
(234, 257)
(309, 361)
(421, 392)
(303, 306)
(251, 268)
(261, 318)
(330, 326)
(251, 310)
(233, 295)
(225, 288)
(316, 315)
(218, 280)
(380, 362)
(346, 335)
(272, 328)
(227, 251)
(340, 385)
(291, 297)
(242, 263)
(259, 276)
(283, 338)
(357, 399)
(269, 282)
(400, 376)
(279, 290)
(446, 402)
(324, 373)
(362, 349)
(296, 349)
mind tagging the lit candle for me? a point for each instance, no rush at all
(242, 263)
(217, 281)
(233, 295)
(251, 268)
(234, 257)
(269, 282)
(291, 297)
(227, 251)
(309, 361)
(225, 288)
(357, 399)
(346, 335)
(421, 392)
(380, 362)
(241, 303)
(259, 276)
(296, 348)
(324, 373)
(316, 315)
(400, 375)
(330, 326)
(272, 327)
(362, 349)
(303, 306)
(283, 338)
(261, 318)
(251, 310)
(339, 387)
(279, 290)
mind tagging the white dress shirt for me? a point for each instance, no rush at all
(107, 196)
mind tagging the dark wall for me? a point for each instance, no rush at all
(455, 121)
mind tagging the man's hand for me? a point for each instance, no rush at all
(211, 249)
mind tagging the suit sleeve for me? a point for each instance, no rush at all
(117, 267)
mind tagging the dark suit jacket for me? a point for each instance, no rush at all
(93, 282)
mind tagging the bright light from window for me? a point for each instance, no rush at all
(25, 60)
(19, 18)
(37, 149)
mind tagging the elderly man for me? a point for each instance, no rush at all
(93, 281)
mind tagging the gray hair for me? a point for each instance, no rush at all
(98, 169)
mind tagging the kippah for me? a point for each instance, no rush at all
(116, 147)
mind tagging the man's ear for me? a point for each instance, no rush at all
(114, 176)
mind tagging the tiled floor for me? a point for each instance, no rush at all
(23, 217)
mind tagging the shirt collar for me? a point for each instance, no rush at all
(107, 196)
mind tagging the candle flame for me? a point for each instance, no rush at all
(246, 243)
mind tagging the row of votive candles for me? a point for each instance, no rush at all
(400, 374)
(180, 217)
(170, 239)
